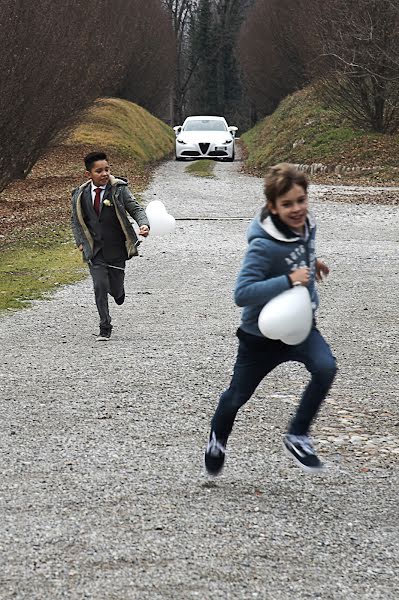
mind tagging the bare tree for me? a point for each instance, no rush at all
(271, 52)
(350, 47)
(151, 67)
(207, 77)
(57, 58)
(216, 86)
(181, 12)
(356, 59)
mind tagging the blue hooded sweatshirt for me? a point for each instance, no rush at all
(274, 251)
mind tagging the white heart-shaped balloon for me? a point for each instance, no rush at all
(288, 316)
(161, 223)
(155, 207)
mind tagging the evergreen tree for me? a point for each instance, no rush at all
(216, 86)
(203, 54)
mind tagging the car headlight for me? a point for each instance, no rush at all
(228, 142)
(181, 141)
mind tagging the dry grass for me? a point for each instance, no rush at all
(115, 123)
(201, 168)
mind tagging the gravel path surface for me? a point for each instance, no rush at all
(102, 490)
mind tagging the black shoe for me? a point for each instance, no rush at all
(299, 447)
(105, 334)
(121, 299)
(214, 455)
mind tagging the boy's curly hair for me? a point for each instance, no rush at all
(279, 180)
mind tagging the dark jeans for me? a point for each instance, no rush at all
(256, 358)
(107, 279)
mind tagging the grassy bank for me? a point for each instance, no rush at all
(303, 130)
(30, 270)
(37, 252)
(126, 127)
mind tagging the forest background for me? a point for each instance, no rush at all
(238, 58)
(314, 82)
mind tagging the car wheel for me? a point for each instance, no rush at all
(231, 158)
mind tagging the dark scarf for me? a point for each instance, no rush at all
(277, 222)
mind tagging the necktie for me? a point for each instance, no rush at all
(97, 200)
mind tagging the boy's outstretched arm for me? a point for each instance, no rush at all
(136, 211)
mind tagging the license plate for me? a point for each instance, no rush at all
(220, 148)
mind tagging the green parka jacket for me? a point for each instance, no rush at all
(125, 204)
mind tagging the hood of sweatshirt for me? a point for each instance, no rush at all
(273, 228)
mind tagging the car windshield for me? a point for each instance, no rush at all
(205, 125)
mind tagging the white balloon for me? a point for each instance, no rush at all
(169, 224)
(155, 207)
(161, 223)
(288, 316)
(295, 338)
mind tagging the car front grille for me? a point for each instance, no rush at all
(218, 153)
(204, 147)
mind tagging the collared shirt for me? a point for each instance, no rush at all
(93, 192)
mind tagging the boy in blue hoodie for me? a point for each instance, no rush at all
(280, 254)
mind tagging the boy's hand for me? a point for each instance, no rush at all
(301, 276)
(80, 247)
(321, 270)
(144, 230)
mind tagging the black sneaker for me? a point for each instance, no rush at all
(121, 299)
(214, 455)
(300, 448)
(105, 334)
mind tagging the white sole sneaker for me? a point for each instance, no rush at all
(314, 470)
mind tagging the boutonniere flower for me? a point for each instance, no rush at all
(107, 202)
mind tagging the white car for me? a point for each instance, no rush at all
(205, 137)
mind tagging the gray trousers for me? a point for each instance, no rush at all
(107, 279)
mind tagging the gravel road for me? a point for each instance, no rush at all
(103, 494)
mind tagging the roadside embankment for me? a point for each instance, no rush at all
(321, 142)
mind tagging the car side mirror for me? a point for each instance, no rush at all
(233, 130)
(177, 129)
